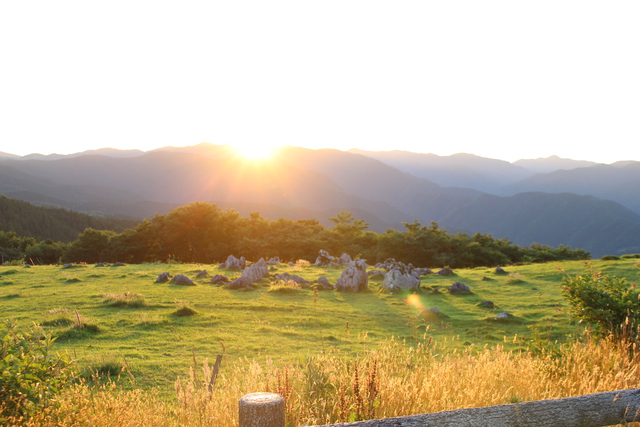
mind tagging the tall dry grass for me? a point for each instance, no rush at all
(392, 379)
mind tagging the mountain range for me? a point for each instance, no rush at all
(549, 201)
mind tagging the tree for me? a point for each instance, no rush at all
(90, 246)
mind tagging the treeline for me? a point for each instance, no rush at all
(57, 224)
(203, 233)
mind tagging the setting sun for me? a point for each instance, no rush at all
(254, 151)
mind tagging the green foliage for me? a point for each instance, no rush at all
(203, 233)
(608, 302)
(90, 246)
(30, 375)
(610, 258)
(43, 223)
(45, 252)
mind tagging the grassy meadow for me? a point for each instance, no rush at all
(117, 321)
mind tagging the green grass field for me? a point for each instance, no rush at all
(127, 319)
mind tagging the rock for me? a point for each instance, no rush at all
(500, 270)
(234, 263)
(431, 314)
(163, 278)
(344, 260)
(118, 264)
(181, 279)
(274, 261)
(219, 279)
(395, 280)
(256, 271)
(486, 304)
(102, 264)
(504, 315)
(68, 265)
(272, 268)
(286, 277)
(202, 274)
(240, 283)
(445, 272)
(324, 282)
(459, 288)
(323, 258)
(251, 275)
(354, 278)
(423, 271)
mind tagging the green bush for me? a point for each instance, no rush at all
(610, 258)
(30, 375)
(608, 302)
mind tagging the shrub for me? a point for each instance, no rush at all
(610, 258)
(284, 286)
(30, 375)
(127, 299)
(184, 310)
(608, 302)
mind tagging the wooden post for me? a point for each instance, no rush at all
(261, 410)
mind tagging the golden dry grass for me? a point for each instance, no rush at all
(389, 380)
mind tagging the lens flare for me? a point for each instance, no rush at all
(414, 300)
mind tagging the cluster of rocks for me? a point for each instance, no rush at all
(250, 275)
(286, 277)
(233, 263)
(322, 283)
(326, 260)
(399, 276)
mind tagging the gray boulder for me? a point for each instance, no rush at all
(459, 288)
(445, 272)
(354, 278)
(344, 260)
(163, 278)
(274, 261)
(395, 280)
(486, 304)
(324, 282)
(202, 274)
(251, 274)
(504, 315)
(181, 279)
(219, 279)
(324, 258)
(234, 263)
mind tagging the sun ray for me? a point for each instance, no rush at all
(256, 151)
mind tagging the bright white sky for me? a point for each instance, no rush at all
(501, 79)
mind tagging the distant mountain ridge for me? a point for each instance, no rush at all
(384, 188)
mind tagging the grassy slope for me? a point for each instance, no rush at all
(284, 327)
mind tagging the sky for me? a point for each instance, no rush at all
(501, 79)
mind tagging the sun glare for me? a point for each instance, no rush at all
(254, 151)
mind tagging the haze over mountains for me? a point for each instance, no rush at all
(548, 201)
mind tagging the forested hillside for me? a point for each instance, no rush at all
(56, 224)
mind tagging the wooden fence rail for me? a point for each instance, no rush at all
(590, 410)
